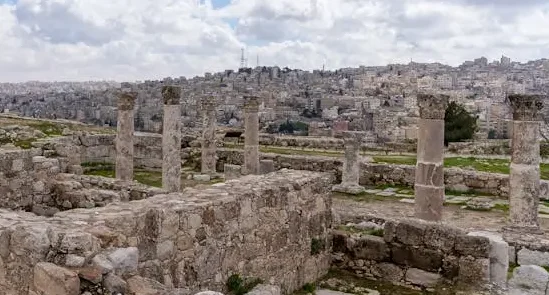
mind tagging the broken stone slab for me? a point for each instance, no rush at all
(422, 278)
(499, 257)
(528, 280)
(351, 189)
(232, 171)
(482, 204)
(50, 279)
(531, 257)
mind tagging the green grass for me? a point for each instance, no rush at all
(150, 178)
(240, 286)
(398, 160)
(48, 128)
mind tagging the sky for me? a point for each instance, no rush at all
(128, 40)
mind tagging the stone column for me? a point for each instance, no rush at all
(171, 139)
(251, 135)
(351, 165)
(124, 136)
(429, 178)
(208, 156)
(524, 179)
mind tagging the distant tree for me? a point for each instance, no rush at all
(492, 134)
(459, 124)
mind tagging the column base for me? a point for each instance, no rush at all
(346, 188)
(429, 202)
(523, 229)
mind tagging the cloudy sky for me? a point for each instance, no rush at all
(150, 39)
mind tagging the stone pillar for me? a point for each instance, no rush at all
(208, 156)
(351, 165)
(171, 139)
(524, 179)
(124, 136)
(429, 178)
(251, 135)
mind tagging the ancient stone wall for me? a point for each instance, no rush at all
(388, 174)
(272, 227)
(415, 253)
(24, 176)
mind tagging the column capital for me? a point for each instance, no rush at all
(171, 95)
(251, 103)
(432, 106)
(526, 107)
(126, 100)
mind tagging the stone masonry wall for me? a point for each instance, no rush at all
(415, 253)
(274, 227)
(24, 176)
(383, 174)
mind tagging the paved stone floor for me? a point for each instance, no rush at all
(350, 207)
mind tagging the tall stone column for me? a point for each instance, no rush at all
(171, 139)
(251, 135)
(429, 178)
(124, 136)
(524, 180)
(208, 157)
(351, 165)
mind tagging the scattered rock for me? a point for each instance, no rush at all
(50, 279)
(528, 280)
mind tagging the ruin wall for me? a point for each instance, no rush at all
(272, 227)
(412, 252)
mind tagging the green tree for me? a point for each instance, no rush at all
(459, 124)
(492, 134)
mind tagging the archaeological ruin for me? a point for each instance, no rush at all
(281, 215)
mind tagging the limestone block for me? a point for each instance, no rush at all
(499, 257)
(232, 171)
(411, 233)
(422, 278)
(388, 272)
(124, 260)
(474, 271)
(528, 280)
(348, 188)
(202, 177)
(50, 279)
(371, 248)
(262, 290)
(441, 237)
(531, 257)
(418, 257)
(476, 246)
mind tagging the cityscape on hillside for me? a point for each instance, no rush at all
(380, 101)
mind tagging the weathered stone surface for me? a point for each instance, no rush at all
(171, 139)
(429, 202)
(208, 155)
(388, 271)
(476, 246)
(432, 106)
(50, 279)
(422, 278)
(124, 260)
(474, 271)
(531, 257)
(124, 137)
(265, 290)
(142, 286)
(251, 137)
(499, 257)
(528, 280)
(441, 237)
(411, 233)
(371, 248)
(425, 259)
(232, 171)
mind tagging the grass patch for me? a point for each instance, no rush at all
(50, 129)
(240, 286)
(308, 288)
(150, 178)
(351, 229)
(501, 207)
(512, 267)
(398, 160)
(317, 246)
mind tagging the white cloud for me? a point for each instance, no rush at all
(150, 39)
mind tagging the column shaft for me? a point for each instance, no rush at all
(251, 137)
(171, 139)
(124, 136)
(208, 157)
(429, 177)
(524, 178)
